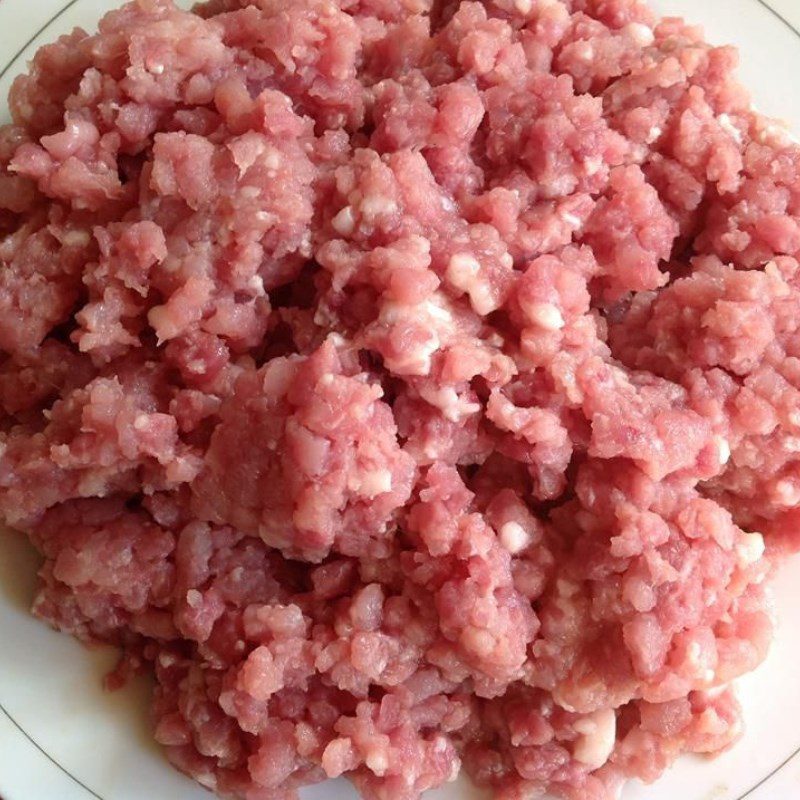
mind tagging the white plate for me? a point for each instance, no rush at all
(63, 738)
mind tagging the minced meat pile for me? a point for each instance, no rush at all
(408, 386)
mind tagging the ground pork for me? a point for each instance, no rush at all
(408, 386)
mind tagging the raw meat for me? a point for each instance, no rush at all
(407, 385)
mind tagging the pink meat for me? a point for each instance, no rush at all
(329, 474)
(404, 385)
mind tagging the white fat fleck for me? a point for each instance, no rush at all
(479, 640)
(481, 298)
(514, 537)
(693, 653)
(776, 134)
(750, 549)
(421, 357)
(372, 483)
(593, 165)
(723, 449)
(246, 157)
(792, 444)
(208, 780)
(462, 270)
(455, 771)
(91, 486)
(393, 312)
(421, 244)
(156, 69)
(324, 317)
(271, 158)
(715, 691)
(431, 316)
(571, 220)
(545, 315)
(256, 284)
(194, 598)
(377, 763)
(507, 260)
(437, 312)
(326, 379)
(596, 742)
(584, 51)
(196, 366)
(375, 204)
(787, 493)
(447, 400)
(344, 222)
(166, 660)
(76, 238)
(523, 6)
(653, 134)
(416, 361)
(771, 269)
(447, 203)
(249, 192)
(727, 125)
(794, 418)
(141, 422)
(641, 34)
(264, 216)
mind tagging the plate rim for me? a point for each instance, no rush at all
(782, 15)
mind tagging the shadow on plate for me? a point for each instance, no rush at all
(18, 567)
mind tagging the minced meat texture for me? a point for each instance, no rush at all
(406, 385)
